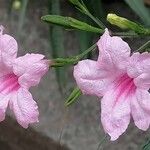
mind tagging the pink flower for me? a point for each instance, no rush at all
(122, 80)
(17, 75)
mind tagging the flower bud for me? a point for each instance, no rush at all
(118, 21)
(124, 23)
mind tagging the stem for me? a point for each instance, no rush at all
(143, 47)
(80, 56)
(60, 62)
(127, 34)
(101, 142)
(83, 9)
(98, 22)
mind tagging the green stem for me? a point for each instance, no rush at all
(60, 62)
(143, 47)
(98, 22)
(127, 34)
(80, 56)
(83, 9)
(102, 141)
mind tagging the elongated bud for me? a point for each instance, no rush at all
(118, 21)
(70, 23)
(124, 23)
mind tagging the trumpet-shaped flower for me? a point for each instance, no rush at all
(122, 81)
(17, 75)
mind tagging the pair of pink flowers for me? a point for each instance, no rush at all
(17, 75)
(122, 80)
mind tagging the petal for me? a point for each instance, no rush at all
(90, 78)
(24, 107)
(143, 81)
(115, 113)
(22, 64)
(114, 53)
(139, 69)
(8, 50)
(140, 109)
(30, 68)
(143, 98)
(4, 99)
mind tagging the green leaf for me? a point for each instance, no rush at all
(138, 7)
(57, 45)
(70, 23)
(76, 93)
(146, 146)
(22, 16)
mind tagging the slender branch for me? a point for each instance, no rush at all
(98, 22)
(102, 141)
(127, 34)
(83, 9)
(80, 56)
(60, 62)
(143, 47)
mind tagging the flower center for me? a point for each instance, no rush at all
(125, 86)
(9, 83)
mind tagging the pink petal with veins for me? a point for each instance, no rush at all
(122, 80)
(17, 75)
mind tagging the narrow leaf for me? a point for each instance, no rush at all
(22, 16)
(146, 146)
(138, 7)
(57, 44)
(76, 93)
(83, 9)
